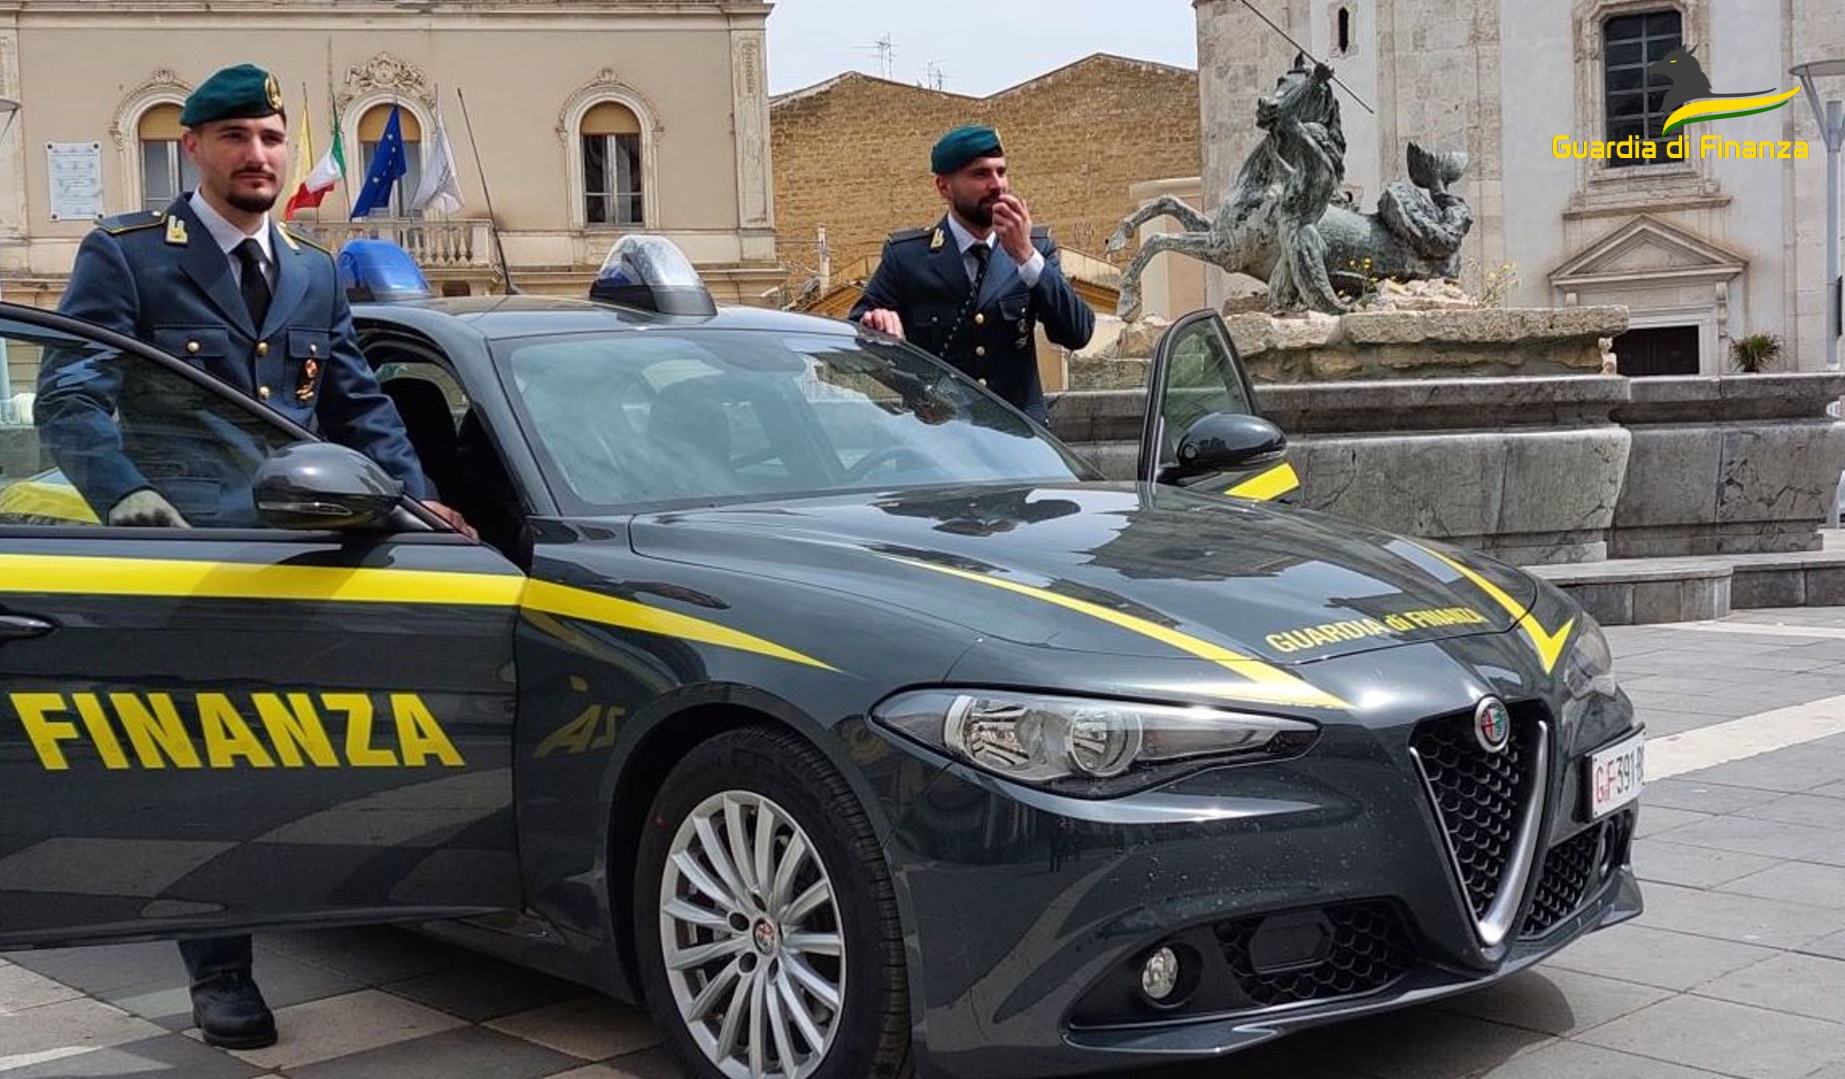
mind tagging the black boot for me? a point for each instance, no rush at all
(229, 1011)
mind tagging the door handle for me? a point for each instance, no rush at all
(14, 627)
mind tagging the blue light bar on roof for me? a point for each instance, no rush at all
(379, 271)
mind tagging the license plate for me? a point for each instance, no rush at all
(1614, 776)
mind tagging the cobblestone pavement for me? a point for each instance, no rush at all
(1736, 969)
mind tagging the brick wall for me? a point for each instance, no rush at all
(852, 153)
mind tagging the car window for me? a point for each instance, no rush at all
(1201, 379)
(623, 418)
(99, 424)
(432, 405)
(413, 370)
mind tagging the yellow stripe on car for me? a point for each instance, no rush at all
(596, 607)
(179, 578)
(1267, 683)
(101, 575)
(1549, 646)
(38, 500)
(1268, 485)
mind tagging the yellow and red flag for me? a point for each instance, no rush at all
(312, 185)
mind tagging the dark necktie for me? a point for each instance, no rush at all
(253, 285)
(981, 253)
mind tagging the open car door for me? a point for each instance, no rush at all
(297, 710)
(1201, 428)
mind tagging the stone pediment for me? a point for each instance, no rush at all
(1647, 248)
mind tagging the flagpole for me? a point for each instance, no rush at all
(441, 138)
(333, 100)
(430, 140)
(345, 184)
(306, 149)
(493, 223)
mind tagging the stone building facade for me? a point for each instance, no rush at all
(1703, 251)
(852, 154)
(593, 118)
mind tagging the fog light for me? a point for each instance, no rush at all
(1159, 976)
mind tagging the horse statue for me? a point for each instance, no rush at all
(1288, 222)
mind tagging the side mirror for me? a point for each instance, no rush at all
(318, 485)
(1221, 441)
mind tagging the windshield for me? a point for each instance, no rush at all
(667, 414)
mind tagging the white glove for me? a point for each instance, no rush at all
(145, 508)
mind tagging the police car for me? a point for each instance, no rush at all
(804, 690)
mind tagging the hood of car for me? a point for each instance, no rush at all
(1108, 568)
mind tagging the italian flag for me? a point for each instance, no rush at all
(311, 186)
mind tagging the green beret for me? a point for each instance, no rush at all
(962, 145)
(244, 92)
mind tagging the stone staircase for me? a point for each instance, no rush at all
(1632, 591)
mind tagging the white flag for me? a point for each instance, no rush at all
(441, 187)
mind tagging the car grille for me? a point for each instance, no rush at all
(1571, 869)
(1369, 947)
(1478, 795)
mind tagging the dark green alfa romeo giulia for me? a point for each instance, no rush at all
(804, 690)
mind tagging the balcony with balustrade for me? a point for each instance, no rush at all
(458, 249)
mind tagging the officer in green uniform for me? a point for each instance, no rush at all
(212, 280)
(972, 289)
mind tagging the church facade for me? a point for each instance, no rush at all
(1552, 102)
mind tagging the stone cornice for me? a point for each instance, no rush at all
(1699, 258)
(162, 83)
(386, 73)
(139, 10)
(606, 84)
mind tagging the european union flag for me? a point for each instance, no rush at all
(387, 168)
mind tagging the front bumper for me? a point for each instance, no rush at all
(1297, 893)
(1618, 901)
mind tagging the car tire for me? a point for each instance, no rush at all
(792, 973)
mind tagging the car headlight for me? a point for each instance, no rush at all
(1588, 668)
(1085, 746)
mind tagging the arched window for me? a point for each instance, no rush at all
(166, 171)
(612, 192)
(1342, 32)
(371, 132)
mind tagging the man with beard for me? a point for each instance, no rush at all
(947, 289)
(212, 280)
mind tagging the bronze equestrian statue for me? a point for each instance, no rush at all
(1286, 220)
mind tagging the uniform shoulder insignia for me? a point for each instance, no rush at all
(904, 235)
(292, 235)
(116, 224)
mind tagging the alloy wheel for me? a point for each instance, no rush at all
(751, 939)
